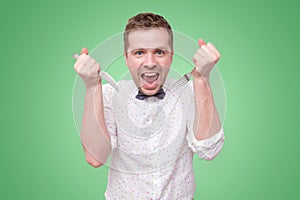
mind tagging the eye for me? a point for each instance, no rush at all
(138, 53)
(160, 52)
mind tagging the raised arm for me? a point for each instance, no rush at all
(94, 135)
(207, 122)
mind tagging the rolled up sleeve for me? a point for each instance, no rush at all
(208, 148)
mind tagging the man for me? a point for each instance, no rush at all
(150, 129)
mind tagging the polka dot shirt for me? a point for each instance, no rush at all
(153, 143)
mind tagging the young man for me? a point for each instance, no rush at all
(150, 129)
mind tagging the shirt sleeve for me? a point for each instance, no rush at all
(208, 148)
(107, 91)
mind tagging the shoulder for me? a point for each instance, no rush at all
(107, 90)
(125, 86)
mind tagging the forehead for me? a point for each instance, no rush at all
(148, 38)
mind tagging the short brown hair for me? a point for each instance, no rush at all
(146, 20)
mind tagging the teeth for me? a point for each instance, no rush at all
(149, 74)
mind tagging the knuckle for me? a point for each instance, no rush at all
(198, 54)
(86, 58)
(77, 68)
(214, 57)
(195, 55)
(80, 57)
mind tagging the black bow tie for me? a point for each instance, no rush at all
(160, 95)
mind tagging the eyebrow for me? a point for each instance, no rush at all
(161, 48)
(142, 49)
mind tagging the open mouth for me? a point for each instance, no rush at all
(150, 77)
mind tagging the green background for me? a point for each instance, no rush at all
(41, 155)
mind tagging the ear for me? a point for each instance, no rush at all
(126, 57)
(172, 53)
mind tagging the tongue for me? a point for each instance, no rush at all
(150, 79)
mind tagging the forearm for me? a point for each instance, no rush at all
(207, 121)
(94, 135)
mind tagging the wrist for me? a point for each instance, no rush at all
(94, 87)
(202, 86)
(201, 80)
(199, 77)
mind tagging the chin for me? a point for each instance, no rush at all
(151, 91)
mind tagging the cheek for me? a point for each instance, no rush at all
(166, 61)
(133, 63)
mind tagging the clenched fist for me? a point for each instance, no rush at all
(87, 68)
(205, 59)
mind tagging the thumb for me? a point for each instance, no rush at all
(201, 42)
(84, 50)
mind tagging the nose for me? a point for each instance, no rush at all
(150, 61)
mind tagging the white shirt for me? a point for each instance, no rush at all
(153, 143)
